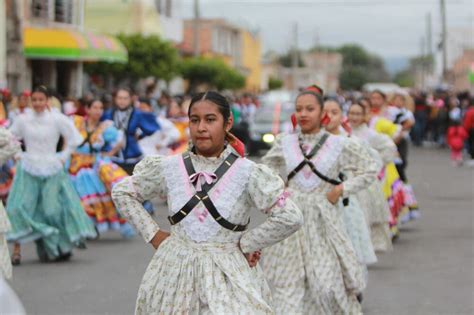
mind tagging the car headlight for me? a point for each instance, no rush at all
(268, 138)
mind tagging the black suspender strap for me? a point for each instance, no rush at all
(307, 161)
(308, 157)
(202, 196)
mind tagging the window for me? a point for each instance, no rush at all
(63, 11)
(40, 9)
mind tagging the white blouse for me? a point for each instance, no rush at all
(40, 133)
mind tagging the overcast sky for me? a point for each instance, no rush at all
(390, 28)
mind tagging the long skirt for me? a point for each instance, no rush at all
(93, 178)
(315, 270)
(185, 277)
(358, 231)
(47, 210)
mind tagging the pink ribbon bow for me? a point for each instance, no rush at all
(281, 201)
(200, 178)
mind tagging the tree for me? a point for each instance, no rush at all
(360, 67)
(404, 78)
(353, 78)
(147, 56)
(287, 60)
(274, 83)
(213, 72)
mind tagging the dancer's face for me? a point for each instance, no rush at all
(308, 113)
(39, 101)
(334, 112)
(96, 110)
(376, 100)
(356, 115)
(208, 128)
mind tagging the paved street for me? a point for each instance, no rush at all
(429, 272)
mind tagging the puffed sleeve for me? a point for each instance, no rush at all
(356, 160)
(274, 157)
(267, 193)
(9, 146)
(384, 146)
(128, 195)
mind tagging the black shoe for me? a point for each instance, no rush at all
(64, 257)
(16, 259)
(82, 245)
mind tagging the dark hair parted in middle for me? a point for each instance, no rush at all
(213, 97)
(317, 96)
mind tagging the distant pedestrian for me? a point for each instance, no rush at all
(456, 137)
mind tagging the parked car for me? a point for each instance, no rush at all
(271, 119)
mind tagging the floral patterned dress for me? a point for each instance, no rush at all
(200, 268)
(8, 148)
(316, 270)
(372, 199)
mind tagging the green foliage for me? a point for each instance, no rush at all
(287, 60)
(360, 67)
(147, 56)
(404, 78)
(213, 72)
(353, 78)
(274, 83)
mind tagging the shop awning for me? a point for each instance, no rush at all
(65, 44)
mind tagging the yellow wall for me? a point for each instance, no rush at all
(251, 60)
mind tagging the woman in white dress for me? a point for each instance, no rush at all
(373, 199)
(43, 205)
(355, 218)
(204, 265)
(316, 271)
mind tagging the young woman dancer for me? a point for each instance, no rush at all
(316, 271)
(43, 205)
(204, 265)
(373, 199)
(354, 215)
(92, 172)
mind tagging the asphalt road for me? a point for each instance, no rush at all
(430, 270)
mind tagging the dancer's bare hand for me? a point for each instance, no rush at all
(253, 258)
(159, 237)
(334, 195)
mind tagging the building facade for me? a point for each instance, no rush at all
(48, 44)
(236, 46)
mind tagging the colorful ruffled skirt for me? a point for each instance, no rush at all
(93, 179)
(47, 210)
(393, 188)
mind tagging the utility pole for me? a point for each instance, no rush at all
(196, 37)
(168, 9)
(444, 38)
(429, 35)
(294, 55)
(422, 63)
